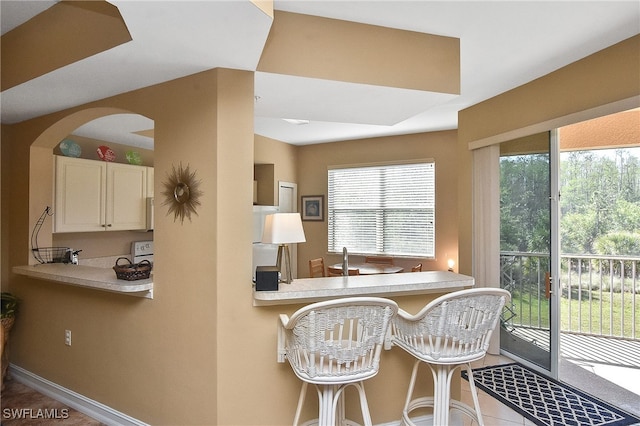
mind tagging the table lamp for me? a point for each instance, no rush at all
(450, 263)
(283, 229)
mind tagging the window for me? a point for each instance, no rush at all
(383, 209)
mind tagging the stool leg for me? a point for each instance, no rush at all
(303, 392)
(338, 404)
(441, 401)
(339, 407)
(474, 394)
(327, 415)
(441, 393)
(364, 406)
(412, 384)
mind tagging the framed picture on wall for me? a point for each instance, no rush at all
(313, 207)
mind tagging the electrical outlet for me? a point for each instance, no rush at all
(67, 337)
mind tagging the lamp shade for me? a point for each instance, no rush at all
(283, 228)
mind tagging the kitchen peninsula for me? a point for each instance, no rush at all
(103, 279)
(309, 290)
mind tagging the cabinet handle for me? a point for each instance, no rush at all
(109, 225)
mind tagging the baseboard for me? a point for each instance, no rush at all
(91, 408)
(96, 410)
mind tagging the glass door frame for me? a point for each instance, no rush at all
(554, 251)
(554, 266)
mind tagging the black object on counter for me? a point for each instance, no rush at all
(267, 278)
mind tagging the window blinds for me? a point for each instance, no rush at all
(383, 209)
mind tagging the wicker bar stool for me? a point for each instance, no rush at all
(449, 333)
(333, 345)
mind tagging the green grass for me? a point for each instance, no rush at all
(583, 315)
(616, 309)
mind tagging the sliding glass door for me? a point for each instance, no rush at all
(529, 249)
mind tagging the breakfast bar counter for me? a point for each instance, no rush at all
(308, 290)
(87, 276)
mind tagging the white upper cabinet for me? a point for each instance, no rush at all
(80, 195)
(99, 196)
(126, 197)
(149, 181)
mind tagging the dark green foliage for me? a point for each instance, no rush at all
(524, 203)
(9, 305)
(599, 203)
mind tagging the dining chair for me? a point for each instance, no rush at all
(337, 272)
(316, 268)
(417, 268)
(448, 333)
(387, 260)
(333, 345)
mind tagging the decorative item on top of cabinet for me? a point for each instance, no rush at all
(133, 157)
(70, 148)
(95, 195)
(105, 153)
(181, 193)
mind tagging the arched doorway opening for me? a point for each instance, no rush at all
(112, 121)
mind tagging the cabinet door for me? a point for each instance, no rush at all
(126, 197)
(150, 182)
(79, 204)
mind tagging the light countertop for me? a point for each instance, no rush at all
(308, 290)
(87, 276)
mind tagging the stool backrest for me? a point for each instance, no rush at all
(453, 328)
(338, 340)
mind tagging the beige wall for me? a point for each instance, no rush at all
(176, 359)
(156, 360)
(30, 45)
(557, 99)
(612, 131)
(338, 50)
(621, 130)
(314, 160)
(275, 161)
(600, 84)
(199, 352)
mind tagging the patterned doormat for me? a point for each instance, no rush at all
(545, 401)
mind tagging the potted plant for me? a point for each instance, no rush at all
(7, 317)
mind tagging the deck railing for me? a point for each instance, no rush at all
(600, 294)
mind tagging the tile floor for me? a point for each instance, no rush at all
(22, 406)
(494, 413)
(18, 396)
(497, 414)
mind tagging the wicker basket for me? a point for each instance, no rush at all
(132, 271)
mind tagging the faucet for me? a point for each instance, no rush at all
(71, 256)
(345, 262)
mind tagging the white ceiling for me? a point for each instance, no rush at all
(503, 44)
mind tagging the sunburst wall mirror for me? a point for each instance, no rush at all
(181, 193)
